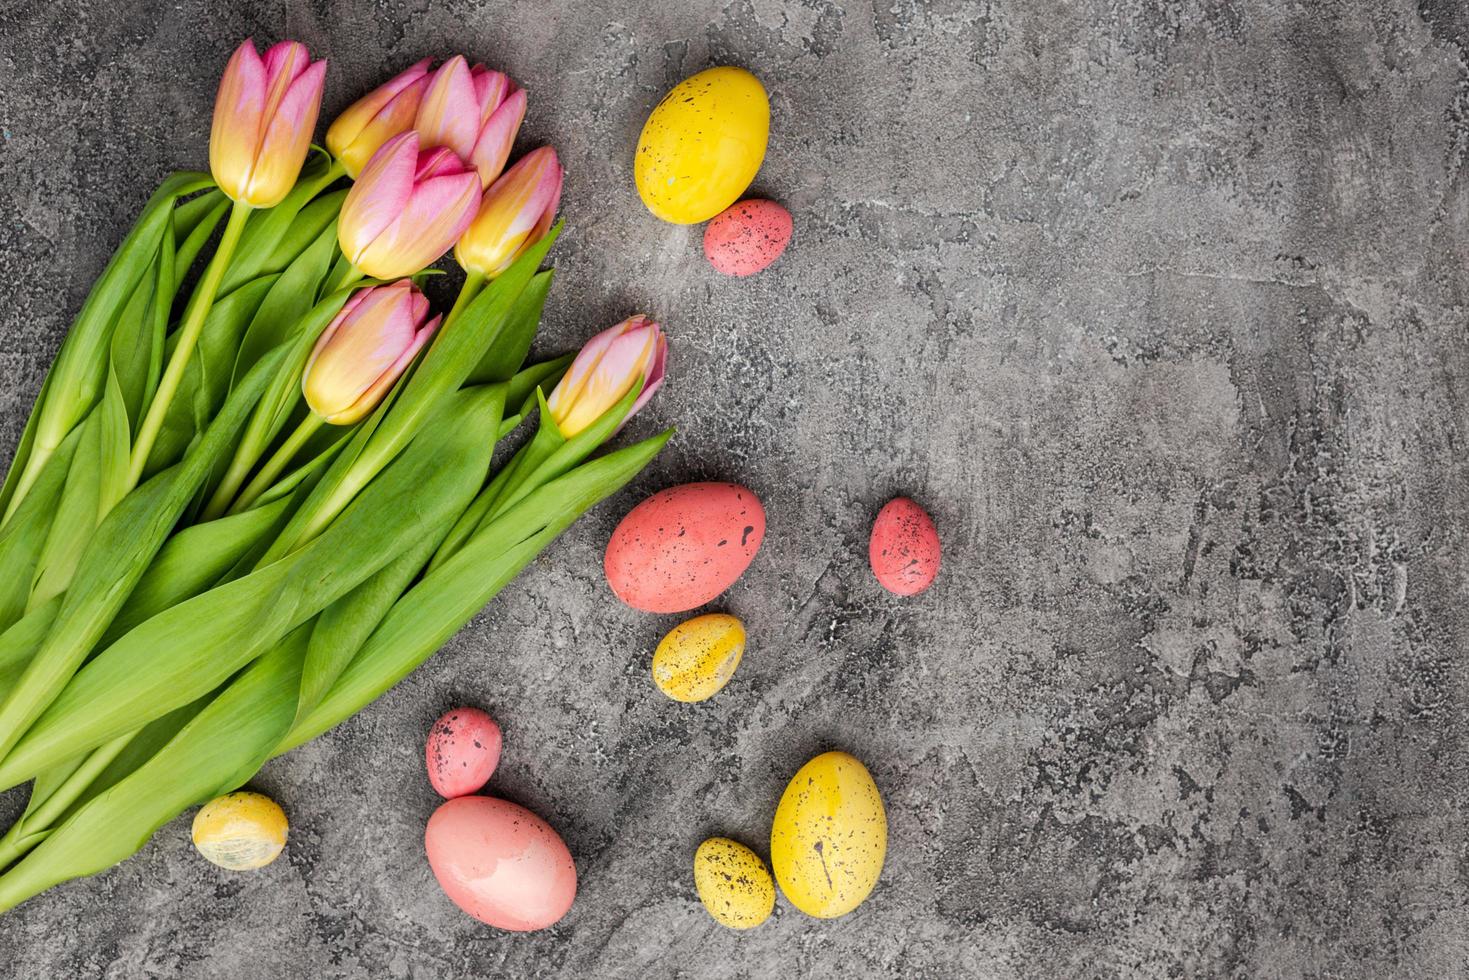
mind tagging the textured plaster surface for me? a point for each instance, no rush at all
(1159, 308)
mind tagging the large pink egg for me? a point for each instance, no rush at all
(462, 752)
(500, 863)
(683, 546)
(746, 237)
(904, 549)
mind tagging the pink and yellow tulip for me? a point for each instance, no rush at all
(365, 349)
(407, 208)
(377, 117)
(264, 116)
(473, 111)
(605, 370)
(516, 212)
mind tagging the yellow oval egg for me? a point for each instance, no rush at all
(829, 837)
(240, 831)
(702, 145)
(733, 883)
(699, 656)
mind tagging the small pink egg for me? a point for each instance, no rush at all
(500, 863)
(683, 546)
(462, 752)
(747, 236)
(904, 549)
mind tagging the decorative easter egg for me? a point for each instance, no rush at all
(240, 831)
(699, 656)
(747, 237)
(462, 751)
(904, 549)
(702, 145)
(500, 863)
(683, 546)
(829, 836)
(733, 883)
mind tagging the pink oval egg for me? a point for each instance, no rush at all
(462, 752)
(747, 236)
(904, 549)
(683, 546)
(500, 863)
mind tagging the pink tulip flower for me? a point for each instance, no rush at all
(516, 212)
(365, 349)
(377, 117)
(605, 370)
(473, 111)
(264, 116)
(406, 208)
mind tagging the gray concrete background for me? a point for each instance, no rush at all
(1159, 307)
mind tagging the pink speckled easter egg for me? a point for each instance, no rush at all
(747, 236)
(500, 863)
(904, 549)
(683, 546)
(462, 752)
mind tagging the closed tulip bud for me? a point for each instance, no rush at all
(473, 111)
(364, 350)
(605, 370)
(377, 117)
(264, 116)
(406, 208)
(516, 212)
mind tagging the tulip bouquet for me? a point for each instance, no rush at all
(241, 511)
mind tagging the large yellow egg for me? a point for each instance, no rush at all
(240, 831)
(829, 837)
(733, 883)
(702, 145)
(698, 657)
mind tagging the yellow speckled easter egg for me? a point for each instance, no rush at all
(733, 883)
(829, 837)
(698, 657)
(240, 831)
(702, 145)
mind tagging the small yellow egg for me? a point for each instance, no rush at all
(699, 656)
(702, 145)
(733, 883)
(240, 831)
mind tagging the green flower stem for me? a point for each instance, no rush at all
(278, 462)
(21, 836)
(350, 277)
(247, 454)
(189, 333)
(473, 283)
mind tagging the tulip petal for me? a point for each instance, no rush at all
(575, 379)
(395, 118)
(654, 381)
(512, 209)
(287, 139)
(497, 137)
(362, 351)
(375, 118)
(449, 113)
(285, 60)
(490, 89)
(379, 195)
(235, 131)
(387, 379)
(436, 214)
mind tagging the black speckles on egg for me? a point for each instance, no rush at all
(747, 237)
(674, 551)
(904, 548)
(733, 883)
